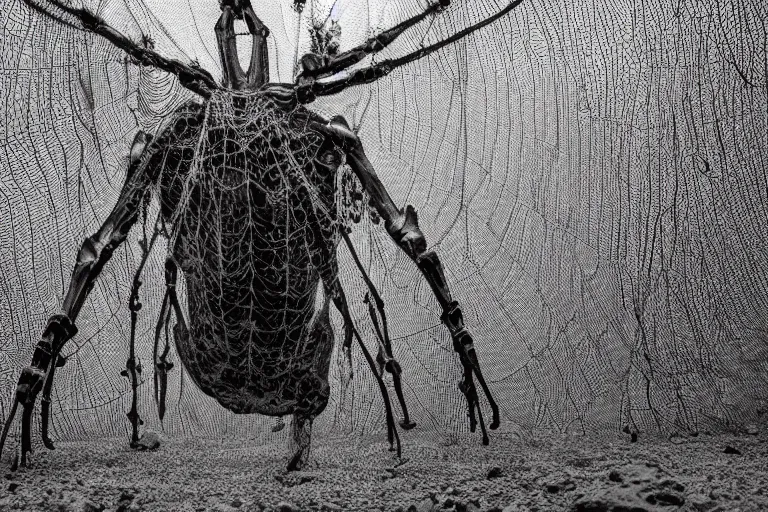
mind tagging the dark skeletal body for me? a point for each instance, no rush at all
(252, 244)
(246, 181)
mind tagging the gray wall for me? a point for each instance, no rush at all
(593, 175)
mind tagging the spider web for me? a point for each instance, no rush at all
(593, 177)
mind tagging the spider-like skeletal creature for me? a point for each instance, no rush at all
(247, 184)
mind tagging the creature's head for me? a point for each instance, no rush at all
(258, 71)
(324, 36)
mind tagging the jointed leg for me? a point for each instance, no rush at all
(310, 89)
(57, 361)
(132, 366)
(301, 438)
(94, 254)
(404, 229)
(192, 77)
(385, 357)
(326, 264)
(340, 301)
(312, 68)
(160, 359)
(258, 69)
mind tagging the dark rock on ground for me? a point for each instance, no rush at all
(550, 474)
(633, 487)
(494, 472)
(149, 441)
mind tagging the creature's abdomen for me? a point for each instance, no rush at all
(246, 225)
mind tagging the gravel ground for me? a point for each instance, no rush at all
(703, 473)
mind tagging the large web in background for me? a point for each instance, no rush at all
(593, 178)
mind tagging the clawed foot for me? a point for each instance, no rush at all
(30, 384)
(36, 377)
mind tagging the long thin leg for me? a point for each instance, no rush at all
(404, 229)
(160, 359)
(301, 439)
(388, 359)
(191, 77)
(180, 330)
(96, 250)
(327, 266)
(314, 68)
(313, 391)
(340, 301)
(309, 90)
(132, 366)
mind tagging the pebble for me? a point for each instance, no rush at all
(82, 505)
(127, 496)
(285, 506)
(494, 472)
(223, 507)
(700, 502)
(752, 429)
(425, 505)
(149, 441)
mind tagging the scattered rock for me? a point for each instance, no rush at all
(285, 506)
(462, 506)
(633, 488)
(700, 502)
(665, 499)
(223, 507)
(149, 441)
(89, 506)
(237, 503)
(127, 496)
(12, 486)
(80, 481)
(730, 450)
(389, 473)
(425, 505)
(610, 500)
(752, 429)
(82, 505)
(563, 485)
(494, 472)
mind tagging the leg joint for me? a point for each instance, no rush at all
(61, 327)
(404, 229)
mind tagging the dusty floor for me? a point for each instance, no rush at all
(511, 474)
